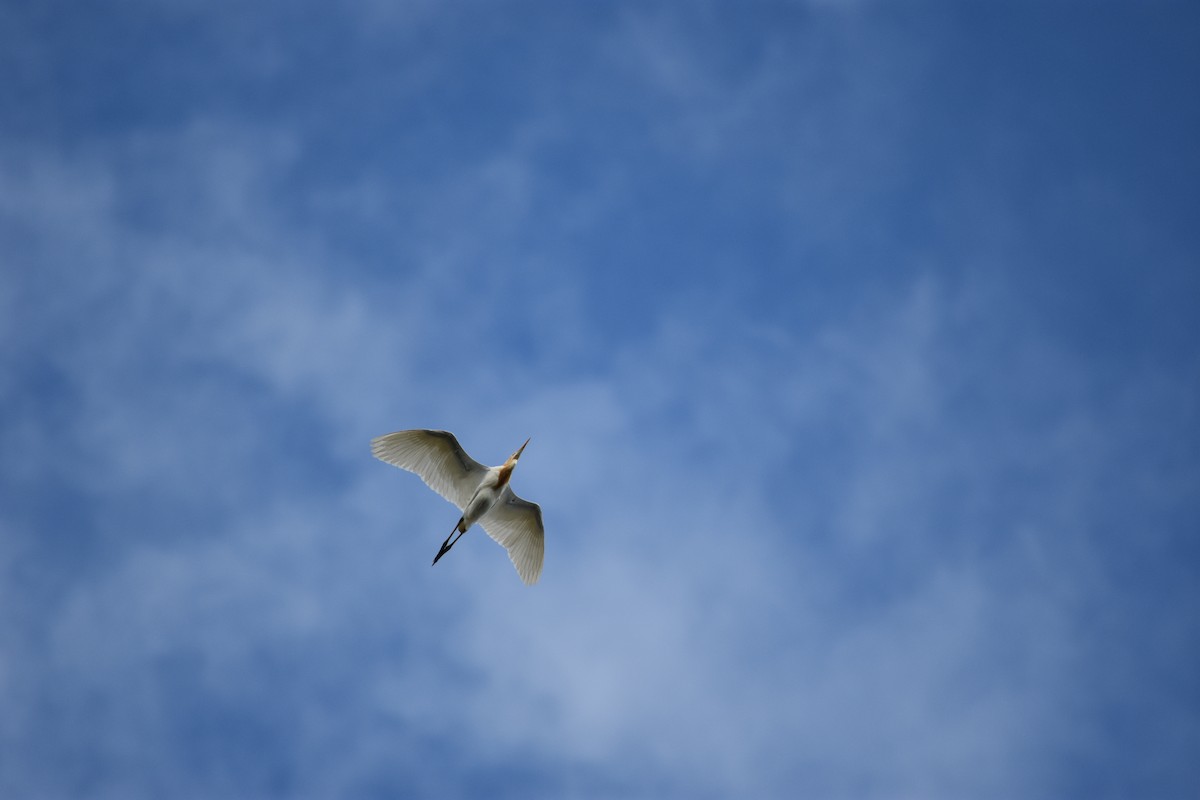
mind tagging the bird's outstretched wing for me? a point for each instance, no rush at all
(517, 525)
(437, 457)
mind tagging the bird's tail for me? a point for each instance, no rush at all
(446, 545)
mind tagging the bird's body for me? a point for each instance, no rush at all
(481, 493)
(484, 498)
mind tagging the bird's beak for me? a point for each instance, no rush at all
(517, 454)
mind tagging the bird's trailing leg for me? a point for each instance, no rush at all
(446, 545)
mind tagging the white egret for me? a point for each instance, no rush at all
(481, 493)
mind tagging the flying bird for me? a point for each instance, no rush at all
(481, 493)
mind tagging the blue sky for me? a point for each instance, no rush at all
(857, 342)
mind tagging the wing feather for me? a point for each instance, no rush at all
(437, 457)
(517, 525)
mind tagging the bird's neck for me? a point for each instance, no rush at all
(505, 473)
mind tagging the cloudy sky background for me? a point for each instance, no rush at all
(857, 341)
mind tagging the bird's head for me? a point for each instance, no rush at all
(513, 458)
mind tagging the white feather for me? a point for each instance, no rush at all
(437, 457)
(517, 525)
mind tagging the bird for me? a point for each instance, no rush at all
(481, 493)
